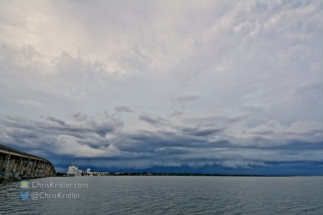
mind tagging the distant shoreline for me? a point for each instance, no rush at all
(186, 174)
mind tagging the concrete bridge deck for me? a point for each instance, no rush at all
(15, 164)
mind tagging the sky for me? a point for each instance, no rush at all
(223, 87)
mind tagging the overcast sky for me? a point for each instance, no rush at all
(200, 86)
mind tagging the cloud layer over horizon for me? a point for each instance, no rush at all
(235, 85)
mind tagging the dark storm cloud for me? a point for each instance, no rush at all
(93, 139)
(293, 146)
(47, 134)
(151, 141)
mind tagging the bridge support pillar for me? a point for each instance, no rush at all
(10, 167)
(2, 158)
(42, 169)
(47, 169)
(19, 167)
(4, 165)
(25, 167)
(32, 172)
(37, 168)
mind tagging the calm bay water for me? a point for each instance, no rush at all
(172, 195)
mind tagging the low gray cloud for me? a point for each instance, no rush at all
(200, 131)
(53, 119)
(154, 120)
(183, 99)
(176, 113)
(123, 109)
(90, 138)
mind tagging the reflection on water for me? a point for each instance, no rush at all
(172, 195)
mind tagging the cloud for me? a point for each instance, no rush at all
(61, 122)
(153, 120)
(176, 113)
(240, 164)
(101, 138)
(183, 99)
(53, 134)
(123, 109)
(246, 77)
(201, 132)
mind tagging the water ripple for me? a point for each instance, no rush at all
(173, 195)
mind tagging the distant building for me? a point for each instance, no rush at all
(72, 171)
(79, 172)
(88, 171)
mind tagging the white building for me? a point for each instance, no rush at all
(88, 170)
(72, 171)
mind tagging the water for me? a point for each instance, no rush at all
(172, 195)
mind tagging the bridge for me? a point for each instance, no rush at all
(15, 164)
